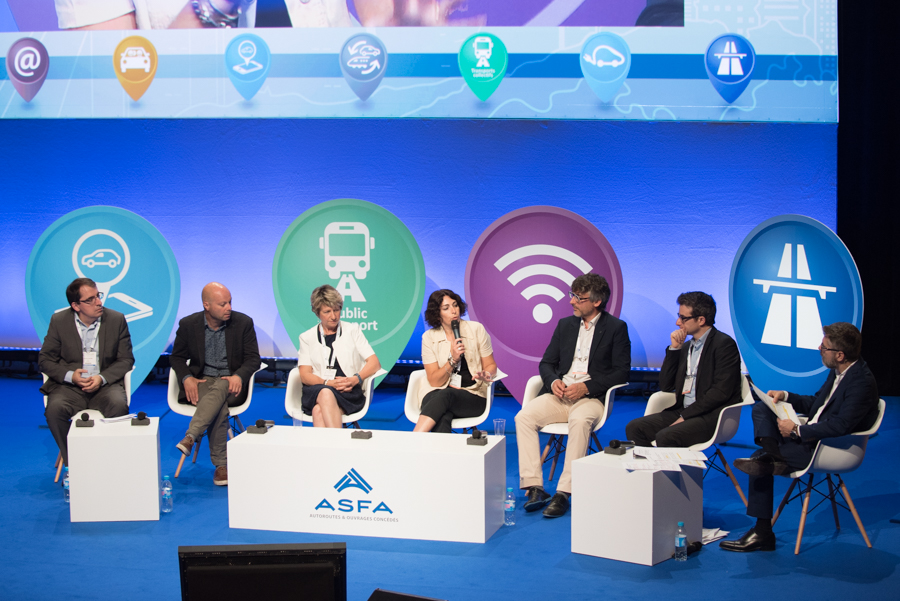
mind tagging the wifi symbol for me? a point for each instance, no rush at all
(542, 312)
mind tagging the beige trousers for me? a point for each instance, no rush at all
(581, 416)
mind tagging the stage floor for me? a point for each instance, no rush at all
(45, 556)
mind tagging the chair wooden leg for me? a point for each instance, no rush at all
(784, 501)
(59, 467)
(197, 449)
(803, 515)
(852, 507)
(180, 463)
(731, 475)
(58, 459)
(831, 494)
(230, 434)
(547, 448)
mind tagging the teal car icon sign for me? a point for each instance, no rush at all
(104, 256)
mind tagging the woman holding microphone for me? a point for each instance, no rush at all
(334, 360)
(459, 364)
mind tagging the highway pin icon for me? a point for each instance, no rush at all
(482, 63)
(363, 63)
(27, 63)
(134, 61)
(730, 60)
(247, 61)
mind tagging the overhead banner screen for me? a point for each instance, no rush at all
(738, 60)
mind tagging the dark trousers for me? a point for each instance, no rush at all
(67, 400)
(444, 405)
(797, 455)
(658, 427)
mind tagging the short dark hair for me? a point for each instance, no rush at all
(73, 290)
(594, 284)
(433, 308)
(845, 338)
(701, 304)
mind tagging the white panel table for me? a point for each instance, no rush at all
(632, 516)
(427, 486)
(114, 472)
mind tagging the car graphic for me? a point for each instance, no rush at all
(135, 57)
(104, 256)
(369, 51)
(618, 57)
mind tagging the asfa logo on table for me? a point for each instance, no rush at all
(352, 479)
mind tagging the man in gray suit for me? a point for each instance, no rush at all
(85, 356)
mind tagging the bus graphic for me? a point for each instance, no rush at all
(347, 246)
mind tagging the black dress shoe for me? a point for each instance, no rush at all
(752, 541)
(558, 506)
(762, 465)
(536, 499)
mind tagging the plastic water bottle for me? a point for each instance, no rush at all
(166, 490)
(66, 482)
(681, 543)
(509, 513)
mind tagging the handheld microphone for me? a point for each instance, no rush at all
(454, 326)
(141, 415)
(260, 423)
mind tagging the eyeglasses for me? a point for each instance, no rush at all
(93, 299)
(822, 347)
(686, 318)
(578, 298)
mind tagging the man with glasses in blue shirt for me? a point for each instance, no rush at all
(589, 353)
(85, 356)
(703, 372)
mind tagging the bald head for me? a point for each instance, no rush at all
(216, 304)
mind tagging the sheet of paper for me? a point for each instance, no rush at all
(682, 456)
(782, 410)
(713, 534)
(112, 420)
(651, 465)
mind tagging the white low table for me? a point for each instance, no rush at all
(632, 516)
(114, 472)
(397, 484)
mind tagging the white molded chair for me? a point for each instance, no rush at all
(189, 410)
(833, 456)
(412, 407)
(294, 394)
(560, 430)
(726, 428)
(92, 413)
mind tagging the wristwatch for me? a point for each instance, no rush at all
(795, 433)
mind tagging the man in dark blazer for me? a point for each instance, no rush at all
(846, 403)
(214, 355)
(589, 353)
(85, 356)
(704, 373)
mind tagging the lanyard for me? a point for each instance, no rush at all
(329, 358)
(690, 360)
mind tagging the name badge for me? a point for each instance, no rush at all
(688, 384)
(90, 364)
(455, 381)
(329, 374)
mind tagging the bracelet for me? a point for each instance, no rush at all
(209, 14)
(359, 377)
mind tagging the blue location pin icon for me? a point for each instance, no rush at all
(363, 63)
(605, 62)
(247, 61)
(27, 63)
(730, 60)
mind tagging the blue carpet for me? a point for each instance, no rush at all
(45, 556)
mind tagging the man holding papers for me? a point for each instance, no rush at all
(703, 372)
(847, 402)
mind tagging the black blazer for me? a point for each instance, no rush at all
(718, 376)
(609, 362)
(62, 349)
(853, 408)
(241, 350)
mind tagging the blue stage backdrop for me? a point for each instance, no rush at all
(674, 200)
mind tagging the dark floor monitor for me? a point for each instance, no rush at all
(311, 572)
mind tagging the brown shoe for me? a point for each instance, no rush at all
(220, 478)
(186, 444)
